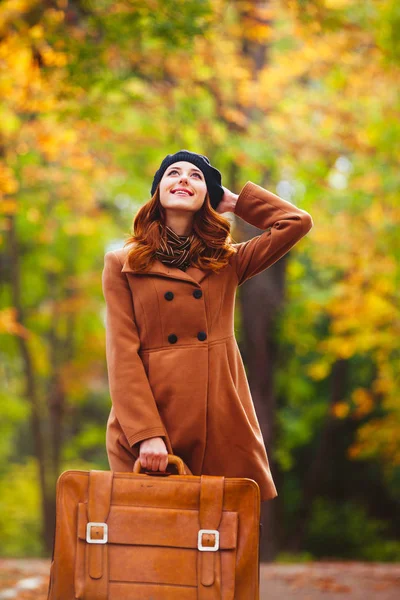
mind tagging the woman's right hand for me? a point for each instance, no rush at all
(153, 454)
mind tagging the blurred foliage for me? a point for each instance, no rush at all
(92, 96)
(288, 558)
(20, 510)
(346, 531)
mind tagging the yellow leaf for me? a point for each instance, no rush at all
(8, 207)
(363, 401)
(340, 410)
(36, 31)
(319, 370)
(338, 4)
(9, 323)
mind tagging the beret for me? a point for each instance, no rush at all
(211, 174)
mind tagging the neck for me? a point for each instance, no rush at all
(180, 224)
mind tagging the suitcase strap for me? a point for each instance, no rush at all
(209, 557)
(99, 502)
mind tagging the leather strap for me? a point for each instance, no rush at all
(209, 583)
(99, 502)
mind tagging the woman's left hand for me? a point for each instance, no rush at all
(228, 201)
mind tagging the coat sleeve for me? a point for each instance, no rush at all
(131, 394)
(284, 225)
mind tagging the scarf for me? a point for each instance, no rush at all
(174, 248)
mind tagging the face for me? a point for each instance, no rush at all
(186, 176)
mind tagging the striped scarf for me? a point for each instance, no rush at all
(174, 248)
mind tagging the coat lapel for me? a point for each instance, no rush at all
(192, 274)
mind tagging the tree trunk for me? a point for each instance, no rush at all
(31, 392)
(261, 298)
(322, 456)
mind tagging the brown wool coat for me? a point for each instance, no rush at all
(174, 366)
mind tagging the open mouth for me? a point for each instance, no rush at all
(182, 192)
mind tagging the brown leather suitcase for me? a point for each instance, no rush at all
(155, 536)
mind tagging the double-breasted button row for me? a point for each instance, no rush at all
(172, 338)
(197, 294)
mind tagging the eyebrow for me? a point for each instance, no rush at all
(192, 169)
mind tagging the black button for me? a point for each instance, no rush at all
(169, 295)
(202, 336)
(172, 338)
(197, 293)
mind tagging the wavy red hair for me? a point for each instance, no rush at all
(210, 250)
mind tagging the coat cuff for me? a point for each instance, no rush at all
(244, 194)
(147, 433)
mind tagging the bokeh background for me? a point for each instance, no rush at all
(299, 96)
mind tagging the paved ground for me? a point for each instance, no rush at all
(28, 580)
(330, 581)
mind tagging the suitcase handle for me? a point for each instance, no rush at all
(172, 459)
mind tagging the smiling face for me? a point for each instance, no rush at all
(183, 188)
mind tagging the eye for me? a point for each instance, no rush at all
(175, 171)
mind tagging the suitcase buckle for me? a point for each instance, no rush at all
(200, 546)
(91, 540)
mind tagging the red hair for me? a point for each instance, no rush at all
(210, 249)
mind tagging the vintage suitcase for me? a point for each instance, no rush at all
(155, 536)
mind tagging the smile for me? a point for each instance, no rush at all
(182, 192)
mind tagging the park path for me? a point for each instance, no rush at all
(330, 581)
(27, 579)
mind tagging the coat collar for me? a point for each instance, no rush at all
(192, 274)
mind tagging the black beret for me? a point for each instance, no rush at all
(211, 174)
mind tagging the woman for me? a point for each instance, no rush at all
(177, 379)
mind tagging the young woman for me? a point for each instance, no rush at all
(177, 379)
